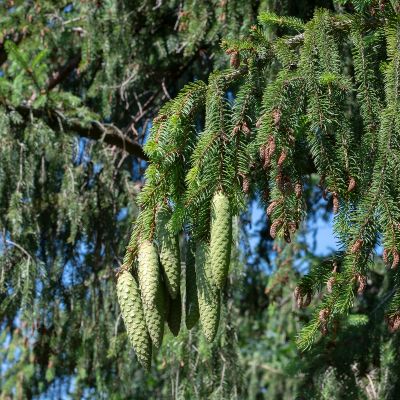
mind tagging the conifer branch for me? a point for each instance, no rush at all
(92, 130)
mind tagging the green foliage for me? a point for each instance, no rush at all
(269, 18)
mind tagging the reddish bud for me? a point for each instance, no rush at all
(271, 207)
(323, 318)
(245, 128)
(282, 158)
(235, 60)
(335, 203)
(323, 315)
(271, 146)
(236, 129)
(298, 297)
(362, 283)
(276, 116)
(274, 228)
(264, 155)
(393, 323)
(385, 256)
(396, 259)
(246, 184)
(330, 283)
(335, 267)
(298, 190)
(159, 118)
(356, 246)
(352, 184)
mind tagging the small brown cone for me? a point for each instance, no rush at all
(335, 203)
(396, 259)
(362, 283)
(271, 207)
(385, 256)
(275, 227)
(282, 158)
(235, 59)
(330, 283)
(356, 246)
(352, 184)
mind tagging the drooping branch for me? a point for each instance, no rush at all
(95, 130)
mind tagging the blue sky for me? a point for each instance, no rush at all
(321, 233)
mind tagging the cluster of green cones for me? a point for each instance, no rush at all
(150, 295)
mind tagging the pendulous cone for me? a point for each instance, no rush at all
(208, 294)
(221, 238)
(151, 290)
(132, 313)
(191, 301)
(169, 253)
(149, 274)
(155, 318)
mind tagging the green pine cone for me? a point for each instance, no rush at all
(191, 301)
(208, 294)
(169, 254)
(175, 315)
(149, 275)
(221, 238)
(133, 316)
(155, 318)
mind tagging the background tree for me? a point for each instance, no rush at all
(77, 71)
